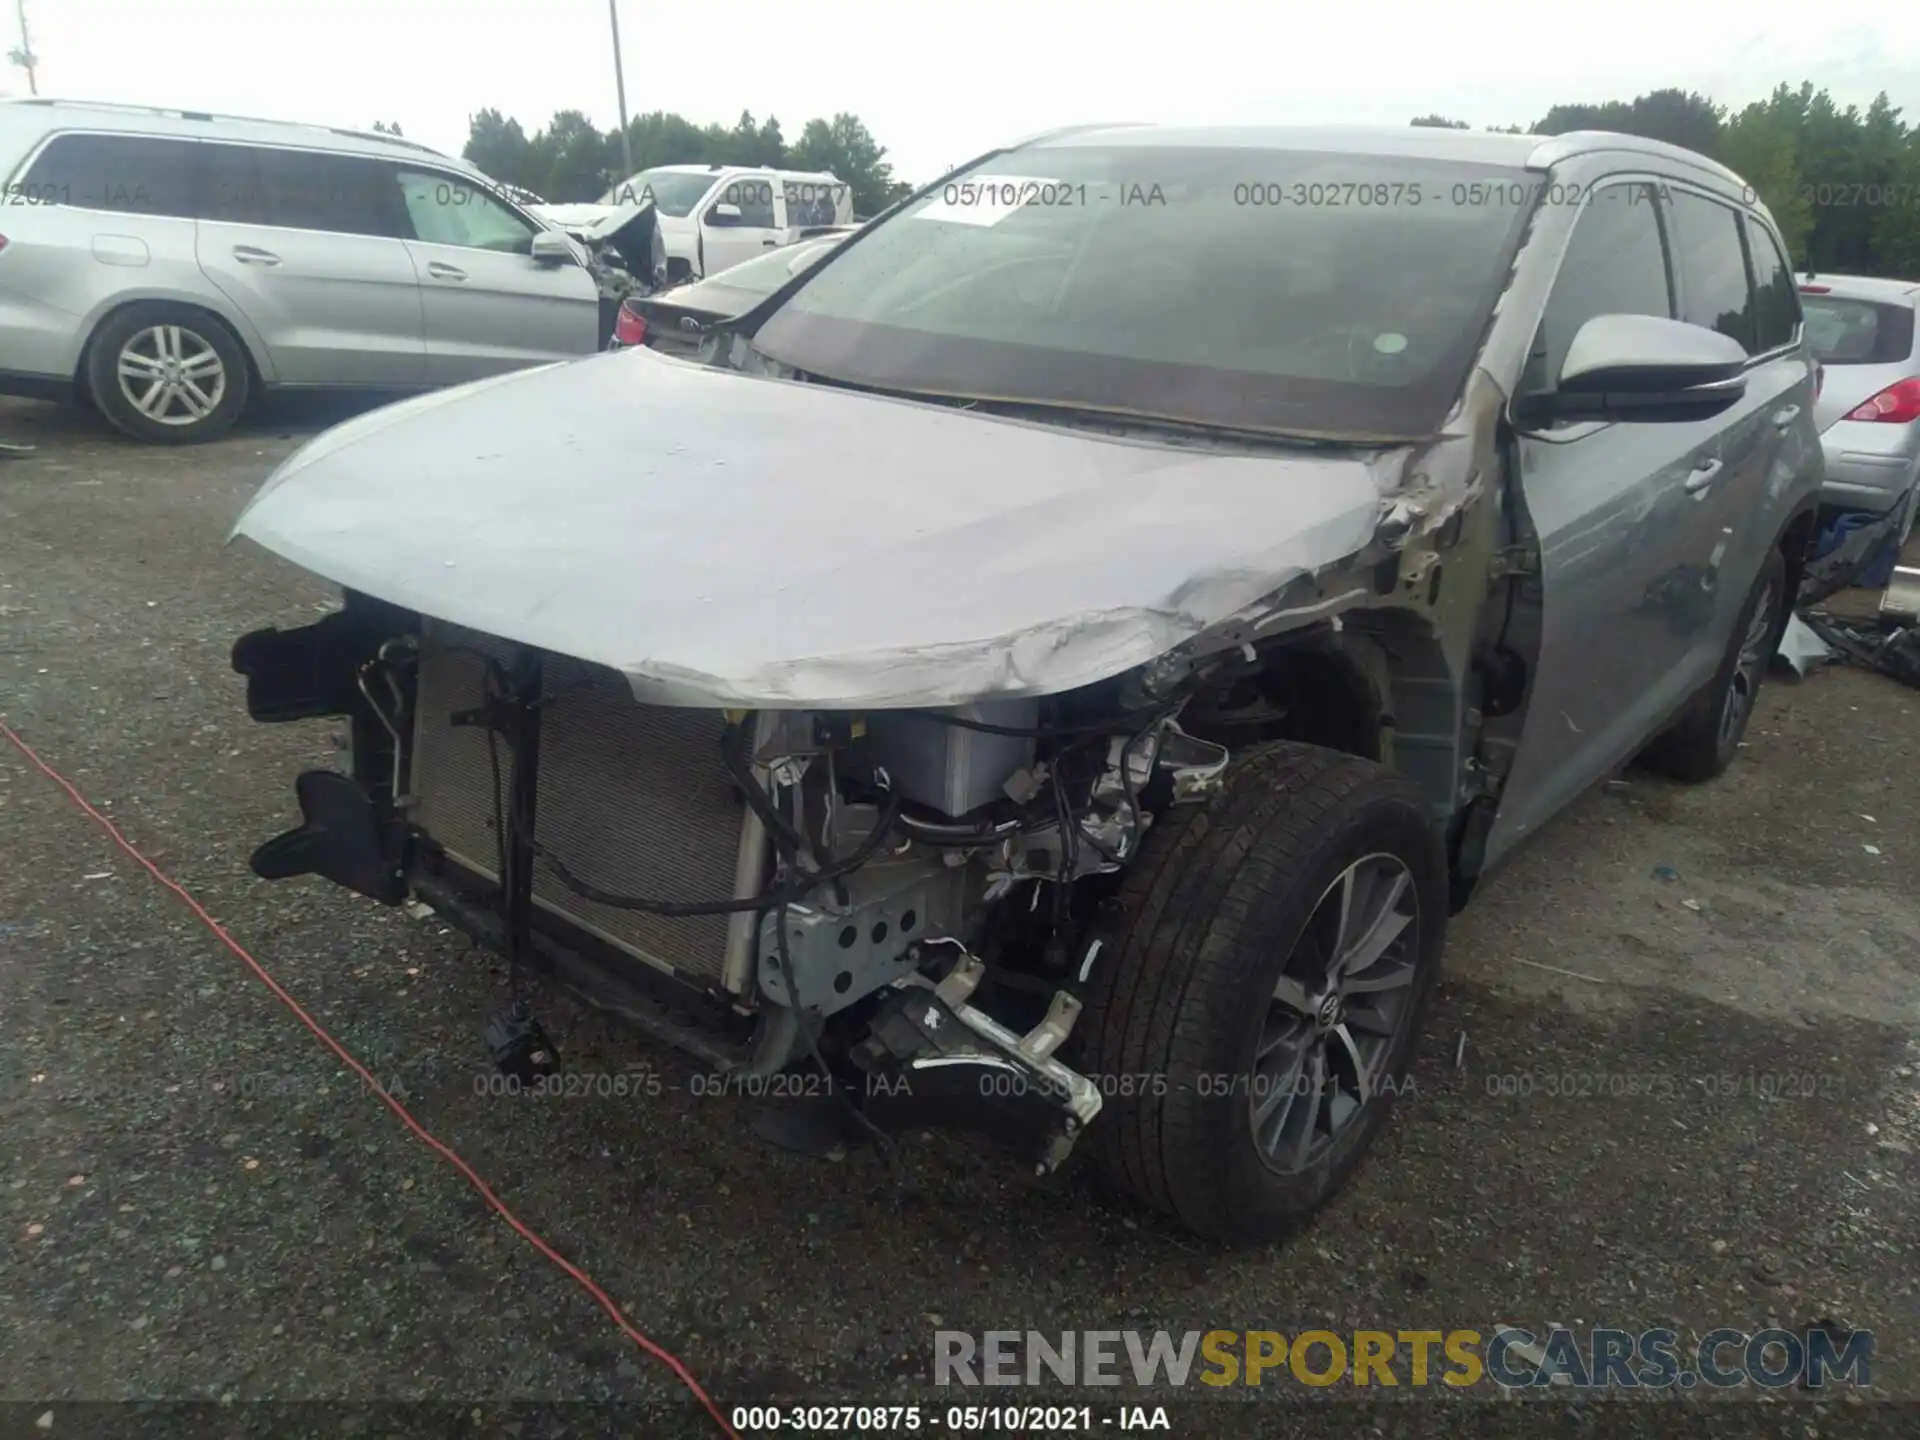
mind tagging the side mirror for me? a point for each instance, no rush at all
(724, 214)
(550, 247)
(1643, 369)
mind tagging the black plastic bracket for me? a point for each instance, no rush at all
(303, 674)
(344, 839)
(969, 1087)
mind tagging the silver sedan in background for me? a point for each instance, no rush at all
(1862, 332)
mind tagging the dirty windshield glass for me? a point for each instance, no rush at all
(674, 192)
(1310, 293)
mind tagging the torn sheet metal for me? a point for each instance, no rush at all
(623, 241)
(1801, 648)
(733, 540)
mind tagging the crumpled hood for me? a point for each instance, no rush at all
(734, 540)
(627, 230)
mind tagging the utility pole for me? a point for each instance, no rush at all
(24, 56)
(620, 84)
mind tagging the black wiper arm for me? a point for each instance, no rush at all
(1133, 419)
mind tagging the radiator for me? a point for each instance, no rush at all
(633, 798)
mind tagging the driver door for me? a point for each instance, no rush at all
(743, 218)
(1629, 545)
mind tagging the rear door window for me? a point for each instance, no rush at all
(1710, 259)
(229, 185)
(754, 195)
(815, 202)
(1616, 264)
(1776, 302)
(312, 190)
(125, 174)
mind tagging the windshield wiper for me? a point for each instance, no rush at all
(1134, 420)
(1116, 420)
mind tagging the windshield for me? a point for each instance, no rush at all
(675, 192)
(1856, 332)
(1326, 294)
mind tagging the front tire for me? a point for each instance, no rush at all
(167, 374)
(1701, 744)
(1253, 1025)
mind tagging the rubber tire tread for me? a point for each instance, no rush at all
(1208, 891)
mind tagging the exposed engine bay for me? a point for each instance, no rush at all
(911, 899)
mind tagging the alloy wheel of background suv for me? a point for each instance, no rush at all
(167, 374)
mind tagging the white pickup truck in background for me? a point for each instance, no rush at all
(709, 217)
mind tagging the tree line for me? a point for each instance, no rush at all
(1843, 184)
(570, 160)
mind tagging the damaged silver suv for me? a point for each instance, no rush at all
(1059, 662)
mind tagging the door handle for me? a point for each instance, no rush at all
(1783, 418)
(1702, 478)
(440, 270)
(254, 255)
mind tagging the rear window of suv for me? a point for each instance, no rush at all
(1857, 332)
(125, 174)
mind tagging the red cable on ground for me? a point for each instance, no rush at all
(446, 1152)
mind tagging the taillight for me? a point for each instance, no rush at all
(630, 326)
(1816, 289)
(3, 242)
(1898, 404)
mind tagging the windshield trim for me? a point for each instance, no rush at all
(1054, 412)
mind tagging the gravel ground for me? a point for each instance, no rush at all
(203, 1205)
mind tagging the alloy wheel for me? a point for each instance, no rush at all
(171, 375)
(1335, 1014)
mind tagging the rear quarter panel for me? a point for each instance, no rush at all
(64, 269)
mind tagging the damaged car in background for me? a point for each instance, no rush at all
(713, 217)
(624, 251)
(174, 265)
(1047, 689)
(678, 320)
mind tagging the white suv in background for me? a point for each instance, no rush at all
(714, 216)
(166, 265)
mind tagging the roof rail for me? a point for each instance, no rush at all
(389, 138)
(176, 113)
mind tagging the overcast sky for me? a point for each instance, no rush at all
(938, 83)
